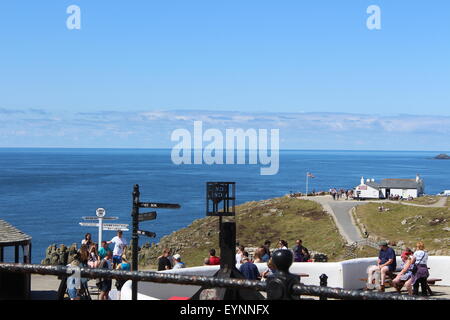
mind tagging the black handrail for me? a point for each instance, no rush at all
(209, 282)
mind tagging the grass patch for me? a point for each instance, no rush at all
(274, 219)
(408, 224)
(425, 200)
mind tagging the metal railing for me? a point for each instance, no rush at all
(207, 282)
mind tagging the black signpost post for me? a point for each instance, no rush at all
(141, 217)
(220, 202)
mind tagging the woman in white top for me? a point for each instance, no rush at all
(282, 244)
(420, 259)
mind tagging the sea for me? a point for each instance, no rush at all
(46, 192)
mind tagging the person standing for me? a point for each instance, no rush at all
(420, 269)
(239, 251)
(120, 245)
(163, 261)
(301, 253)
(105, 284)
(282, 244)
(103, 251)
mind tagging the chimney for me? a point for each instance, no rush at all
(362, 180)
(417, 178)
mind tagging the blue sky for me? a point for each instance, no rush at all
(254, 57)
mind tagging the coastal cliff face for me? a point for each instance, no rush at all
(274, 219)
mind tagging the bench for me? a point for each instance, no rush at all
(388, 282)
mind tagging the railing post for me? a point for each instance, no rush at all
(279, 286)
(323, 283)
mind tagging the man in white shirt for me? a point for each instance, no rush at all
(120, 244)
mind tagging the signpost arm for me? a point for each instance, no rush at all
(134, 239)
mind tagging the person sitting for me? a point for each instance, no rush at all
(386, 264)
(94, 259)
(213, 260)
(87, 241)
(258, 255)
(271, 270)
(404, 277)
(206, 262)
(124, 265)
(73, 284)
(248, 269)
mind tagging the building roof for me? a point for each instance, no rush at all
(373, 184)
(10, 235)
(400, 184)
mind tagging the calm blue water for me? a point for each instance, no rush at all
(45, 192)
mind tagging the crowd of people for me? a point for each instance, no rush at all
(89, 255)
(338, 194)
(261, 255)
(413, 269)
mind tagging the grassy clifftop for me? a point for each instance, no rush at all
(256, 221)
(406, 225)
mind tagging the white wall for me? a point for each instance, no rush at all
(405, 193)
(369, 193)
(345, 274)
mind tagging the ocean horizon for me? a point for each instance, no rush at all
(45, 191)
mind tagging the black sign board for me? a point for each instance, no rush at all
(220, 198)
(147, 216)
(159, 205)
(146, 233)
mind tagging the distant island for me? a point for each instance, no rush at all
(442, 156)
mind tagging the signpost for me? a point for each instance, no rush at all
(141, 217)
(220, 202)
(147, 233)
(100, 216)
(147, 216)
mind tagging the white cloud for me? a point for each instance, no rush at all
(298, 130)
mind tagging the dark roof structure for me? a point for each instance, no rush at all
(400, 184)
(11, 236)
(373, 184)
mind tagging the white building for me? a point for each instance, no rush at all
(402, 188)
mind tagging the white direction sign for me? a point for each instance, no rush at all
(100, 216)
(106, 226)
(97, 218)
